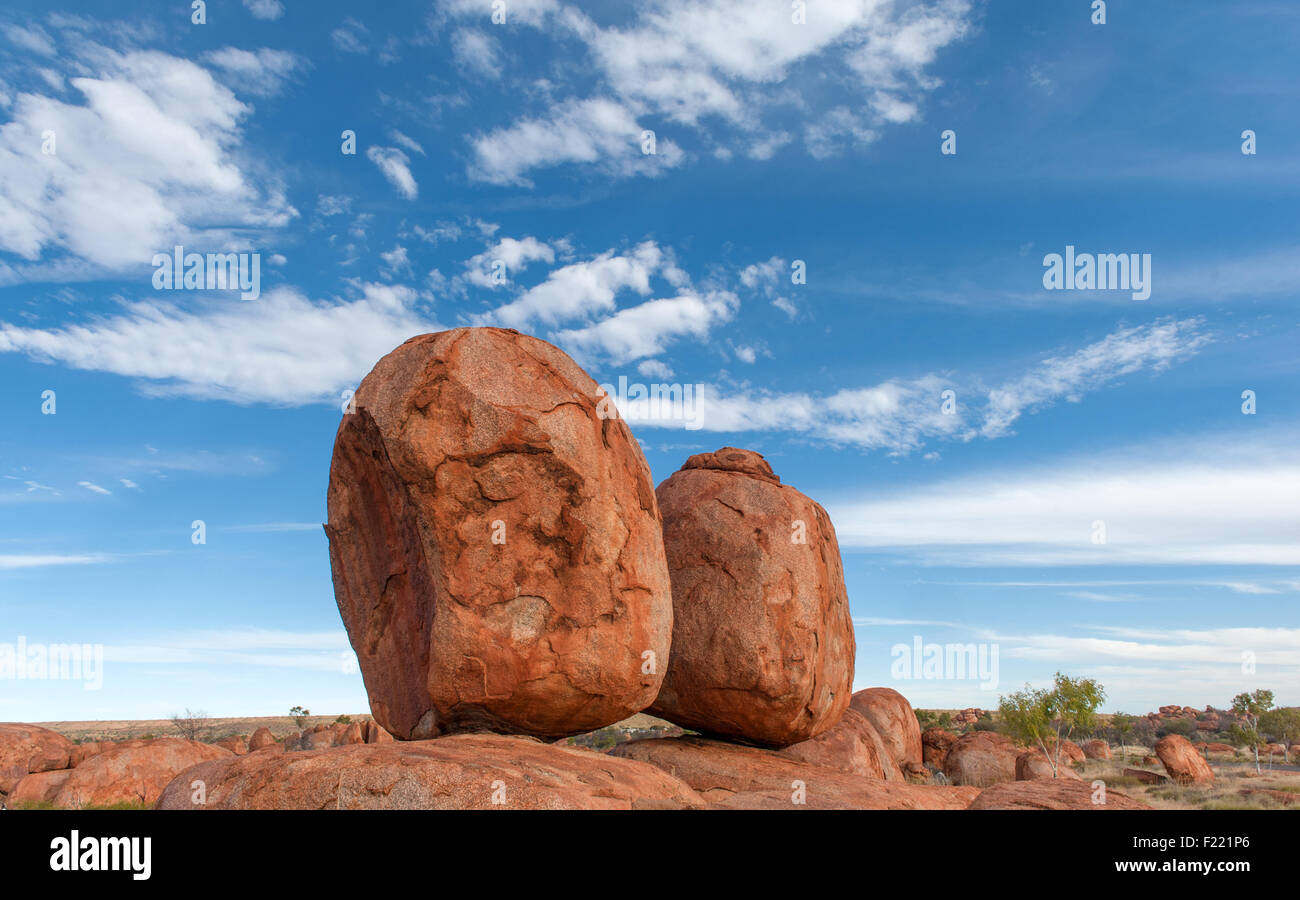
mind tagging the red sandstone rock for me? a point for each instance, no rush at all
(375, 734)
(467, 771)
(261, 739)
(894, 720)
(495, 542)
(30, 748)
(83, 751)
(37, 788)
(850, 745)
(1182, 762)
(234, 744)
(981, 758)
(1097, 750)
(133, 774)
(1034, 764)
(735, 776)
(935, 744)
(762, 645)
(1071, 753)
(1052, 793)
(352, 735)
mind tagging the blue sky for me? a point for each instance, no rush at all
(775, 143)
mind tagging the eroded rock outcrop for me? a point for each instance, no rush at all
(30, 748)
(496, 544)
(734, 776)
(762, 644)
(464, 771)
(134, 775)
(1182, 762)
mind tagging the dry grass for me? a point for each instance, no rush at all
(213, 729)
(1236, 786)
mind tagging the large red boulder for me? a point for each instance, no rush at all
(1033, 764)
(496, 545)
(375, 734)
(30, 748)
(134, 775)
(935, 744)
(1052, 793)
(981, 758)
(37, 789)
(735, 776)
(762, 645)
(1097, 749)
(1182, 762)
(261, 739)
(893, 718)
(850, 745)
(464, 771)
(84, 751)
(235, 744)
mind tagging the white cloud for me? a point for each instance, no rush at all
(646, 329)
(727, 62)
(1225, 504)
(396, 168)
(91, 486)
(1128, 350)
(265, 9)
(33, 38)
(655, 368)
(150, 150)
(476, 51)
(129, 484)
(34, 561)
(597, 131)
(261, 72)
(583, 288)
(513, 253)
(348, 37)
(283, 349)
(407, 142)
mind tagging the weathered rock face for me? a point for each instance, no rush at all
(374, 734)
(935, 744)
(1034, 764)
(1182, 762)
(234, 744)
(981, 758)
(496, 544)
(1096, 750)
(1071, 753)
(82, 752)
(1051, 793)
(260, 739)
(133, 774)
(850, 745)
(464, 771)
(762, 645)
(734, 776)
(37, 788)
(30, 748)
(893, 718)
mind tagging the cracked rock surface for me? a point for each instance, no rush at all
(762, 646)
(495, 543)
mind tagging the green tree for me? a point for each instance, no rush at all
(1122, 724)
(1282, 724)
(299, 715)
(1250, 707)
(1032, 716)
